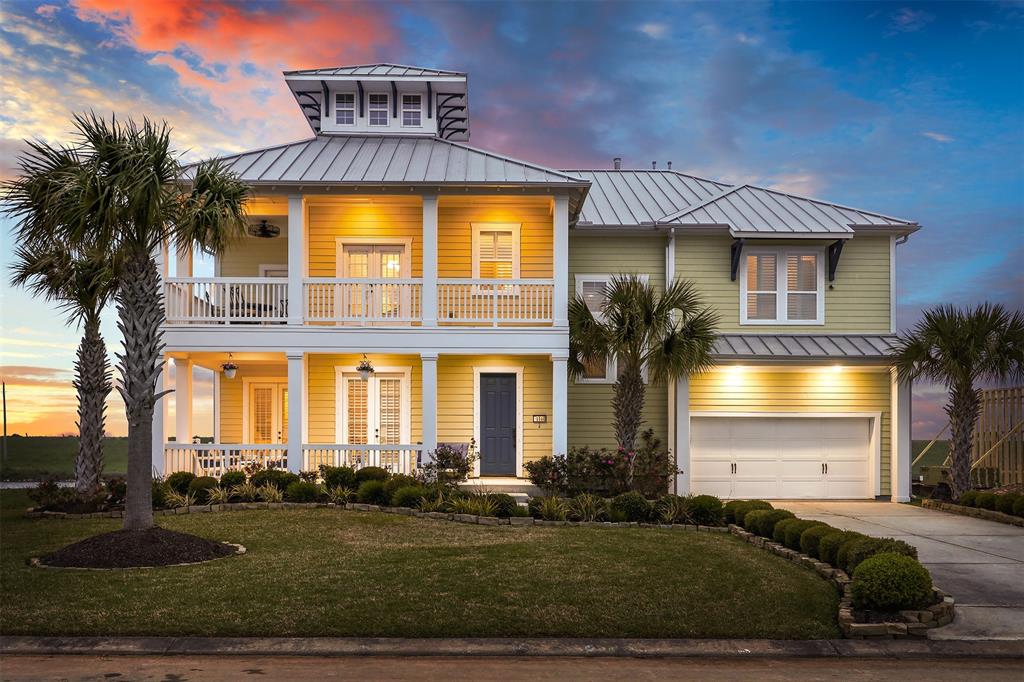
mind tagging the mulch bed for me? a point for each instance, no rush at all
(137, 548)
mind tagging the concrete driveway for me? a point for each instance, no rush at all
(981, 563)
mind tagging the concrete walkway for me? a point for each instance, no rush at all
(981, 563)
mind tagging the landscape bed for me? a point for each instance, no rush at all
(319, 571)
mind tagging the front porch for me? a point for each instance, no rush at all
(302, 410)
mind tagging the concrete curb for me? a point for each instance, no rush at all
(633, 648)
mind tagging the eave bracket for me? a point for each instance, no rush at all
(835, 249)
(736, 251)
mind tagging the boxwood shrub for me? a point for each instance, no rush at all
(986, 501)
(338, 477)
(830, 543)
(631, 506)
(794, 531)
(398, 481)
(766, 523)
(868, 547)
(279, 478)
(199, 486)
(372, 492)
(811, 537)
(371, 474)
(1005, 502)
(302, 491)
(1018, 506)
(408, 496)
(229, 479)
(969, 498)
(891, 582)
(740, 510)
(179, 480)
(504, 505)
(704, 510)
(752, 518)
(843, 555)
(779, 532)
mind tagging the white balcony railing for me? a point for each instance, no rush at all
(495, 301)
(213, 459)
(398, 459)
(359, 301)
(226, 300)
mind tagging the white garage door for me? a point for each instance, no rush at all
(781, 458)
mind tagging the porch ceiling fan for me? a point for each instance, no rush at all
(264, 229)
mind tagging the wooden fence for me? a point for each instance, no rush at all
(998, 454)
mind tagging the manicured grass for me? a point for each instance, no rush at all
(330, 572)
(36, 457)
(935, 457)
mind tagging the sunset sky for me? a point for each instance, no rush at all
(909, 109)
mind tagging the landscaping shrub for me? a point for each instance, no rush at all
(891, 582)
(371, 492)
(408, 496)
(753, 517)
(1005, 502)
(159, 494)
(279, 478)
(729, 510)
(302, 491)
(229, 479)
(340, 495)
(371, 474)
(705, 510)
(547, 473)
(179, 480)
(744, 506)
(795, 531)
(986, 501)
(653, 468)
(779, 532)
(246, 492)
(869, 547)
(843, 554)
(504, 504)
(766, 523)
(631, 506)
(587, 507)
(337, 477)
(198, 487)
(811, 537)
(450, 464)
(117, 490)
(268, 492)
(828, 546)
(218, 495)
(672, 509)
(969, 498)
(395, 482)
(1018, 506)
(548, 508)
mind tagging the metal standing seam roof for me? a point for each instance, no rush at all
(749, 209)
(364, 159)
(630, 198)
(379, 70)
(803, 346)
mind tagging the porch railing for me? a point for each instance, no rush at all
(213, 459)
(359, 301)
(226, 300)
(398, 459)
(495, 301)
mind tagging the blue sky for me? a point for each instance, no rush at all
(910, 109)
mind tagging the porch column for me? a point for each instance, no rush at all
(159, 438)
(682, 436)
(183, 401)
(429, 405)
(296, 259)
(183, 262)
(899, 474)
(296, 411)
(561, 261)
(559, 404)
(428, 301)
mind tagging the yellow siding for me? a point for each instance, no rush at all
(231, 398)
(858, 300)
(455, 216)
(590, 410)
(818, 389)
(384, 217)
(455, 399)
(244, 257)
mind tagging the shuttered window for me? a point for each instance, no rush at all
(495, 251)
(782, 286)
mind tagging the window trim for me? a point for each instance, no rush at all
(514, 228)
(419, 109)
(345, 108)
(369, 110)
(611, 375)
(782, 254)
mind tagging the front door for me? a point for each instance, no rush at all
(374, 412)
(268, 413)
(497, 424)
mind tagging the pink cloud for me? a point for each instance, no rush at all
(47, 11)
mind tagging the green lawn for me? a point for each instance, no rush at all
(935, 457)
(329, 572)
(32, 458)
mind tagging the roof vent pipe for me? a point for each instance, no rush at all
(617, 163)
(654, 165)
(670, 165)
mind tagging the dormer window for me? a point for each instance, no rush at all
(378, 110)
(412, 111)
(782, 286)
(345, 108)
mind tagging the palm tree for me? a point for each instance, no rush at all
(960, 348)
(81, 284)
(122, 188)
(669, 333)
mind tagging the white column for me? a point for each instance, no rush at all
(159, 420)
(183, 401)
(559, 405)
(561, 261)
(183, 260)
(899, 473)
(216, 404)
(296, 411)
(296, 251)
(305, 398)
(429, 300)
(682, 444)
(429, 404)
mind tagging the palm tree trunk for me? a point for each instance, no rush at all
(628, 406)
(963, 408)
(92, 382)
(140, 314)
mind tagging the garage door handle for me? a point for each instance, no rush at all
(822, 469)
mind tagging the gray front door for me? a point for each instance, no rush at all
(497, 424)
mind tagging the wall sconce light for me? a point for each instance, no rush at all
(365, 368)
(229, 368)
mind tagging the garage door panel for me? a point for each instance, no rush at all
(852, 488)
(714, 448)
(801, 468)
(809, 488)
(719, 487)
(744, 487)
(716, 467)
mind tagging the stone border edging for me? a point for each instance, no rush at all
(36, 562)
(915, 623)
(483, 647)
(974, 512)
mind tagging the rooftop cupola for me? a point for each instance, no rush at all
(383, 99)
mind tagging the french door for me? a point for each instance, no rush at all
(375, 412)
(377, 299)
(268, 413)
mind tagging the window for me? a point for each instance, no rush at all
(782, 286)
(411, 110)
(345, 108)
(593, 289)
(495, 251)
(378, 108)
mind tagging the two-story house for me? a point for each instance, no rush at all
(399, 288)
